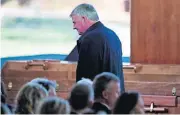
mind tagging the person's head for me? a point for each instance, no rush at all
(106, 88)
(81, 95)
(28, 98)
(53, 105)
(129, 103)
(83, 16)
(49, 85)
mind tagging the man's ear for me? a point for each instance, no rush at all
(105, 94)
(84, 18)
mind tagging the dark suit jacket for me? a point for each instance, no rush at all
(99, 51)
(97, 107)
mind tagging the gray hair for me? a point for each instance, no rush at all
(86, 10)
(86, 81)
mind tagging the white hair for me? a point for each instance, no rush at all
(85, 80)
(86, 10)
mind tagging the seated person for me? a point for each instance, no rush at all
(81, 97)
(129, 103)
(29, 97)
(53, 105)
(106, 91)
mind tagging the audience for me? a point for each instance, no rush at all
(29, 97)
(100, 96)
(81, 97)
(53, 105)
(129, 103)
(48, 84)
(106, 91)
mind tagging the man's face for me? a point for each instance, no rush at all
(112, 93)
(78, 24)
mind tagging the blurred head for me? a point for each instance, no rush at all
(83, 16)
(29, 97)
(53, 105)
(129, 103)
(81, 95)
(106, 88)
(49, 85)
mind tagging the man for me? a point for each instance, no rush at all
(99, 47)
(106, 91)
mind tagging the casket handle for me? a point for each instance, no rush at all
(136, 67)
(174, 91)
(155, 109)
(36, 63)
(57, 87)
(10, 85)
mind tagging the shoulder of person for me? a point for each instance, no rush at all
(94, 37)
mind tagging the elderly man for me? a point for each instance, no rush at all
(106, 91)
(99, 47)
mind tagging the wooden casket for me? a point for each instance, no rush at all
(16, 73)
(158, 84)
